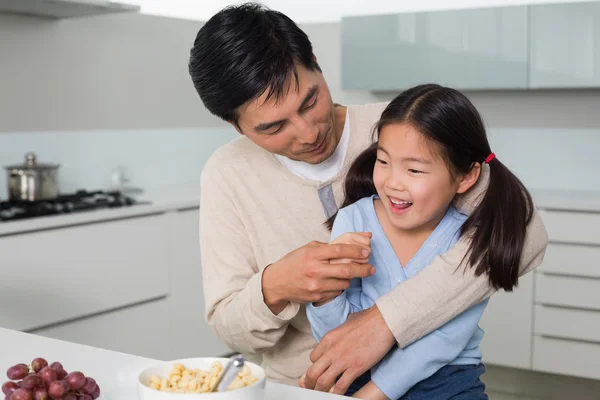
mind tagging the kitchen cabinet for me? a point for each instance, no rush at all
(507, 322)
(190, 334)
(142, 330)
(466, 49)
(132, 284)
(57, 275)
(564, 45)
(567, 296)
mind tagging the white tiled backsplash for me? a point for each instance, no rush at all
(562, 159)
(151, 157)
(542, 158)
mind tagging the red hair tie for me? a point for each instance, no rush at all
(489, 158)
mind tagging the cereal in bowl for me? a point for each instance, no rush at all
(183, 380)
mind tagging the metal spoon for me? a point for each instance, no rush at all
(235, 365)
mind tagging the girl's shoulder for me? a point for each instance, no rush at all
(361, 213)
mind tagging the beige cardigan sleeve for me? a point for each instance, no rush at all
(442, 290)
(235, 308)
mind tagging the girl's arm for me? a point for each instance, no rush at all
(370, 392)
(325, 317)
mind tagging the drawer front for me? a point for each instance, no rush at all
(142, 330)
(572, 227)
(567, 323)
(566, 357)
(572, 259)
(567, 291)
(58, 275)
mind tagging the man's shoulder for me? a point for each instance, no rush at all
(233, 156)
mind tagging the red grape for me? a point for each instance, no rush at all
(76, 379)
(96, 393)
(32, 381)
(58, 389)
(38, 363)
(18, 371)
(48, 382)
(89, 387)
(40, 394)
(56, 366)
(21, 394)
(9, 387)
(48, 375)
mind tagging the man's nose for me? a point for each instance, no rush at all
(308, 133)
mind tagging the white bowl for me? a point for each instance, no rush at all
(256, 391)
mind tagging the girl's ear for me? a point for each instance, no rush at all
(469, 179)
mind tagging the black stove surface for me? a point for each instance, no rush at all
(80, 201)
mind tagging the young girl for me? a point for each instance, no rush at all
(431, 145)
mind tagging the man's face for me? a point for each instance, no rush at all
(300, 125)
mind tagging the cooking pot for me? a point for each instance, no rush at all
(32, 181)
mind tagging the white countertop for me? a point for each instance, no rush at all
(160, 199)
(176, 197)
(116, 373)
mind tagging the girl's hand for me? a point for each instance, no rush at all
(362, 239)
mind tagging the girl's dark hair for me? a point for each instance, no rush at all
(243, 51)
(497, 226)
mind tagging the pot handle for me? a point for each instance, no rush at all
(30, 159)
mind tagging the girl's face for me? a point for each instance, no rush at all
(412, 180)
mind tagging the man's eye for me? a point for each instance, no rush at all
(314, 103)
(275, 131)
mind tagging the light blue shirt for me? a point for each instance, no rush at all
(456, 342)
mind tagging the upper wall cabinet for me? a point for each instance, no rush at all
(465, 49)
(565, 45)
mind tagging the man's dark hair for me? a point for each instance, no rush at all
(241, 52)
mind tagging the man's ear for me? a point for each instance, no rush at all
(470, 178)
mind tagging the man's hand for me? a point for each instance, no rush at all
(362, 239)
(349, 350)
(305, 275)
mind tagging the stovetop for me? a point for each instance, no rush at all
(68, 203)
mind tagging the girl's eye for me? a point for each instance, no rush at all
(380, 161)
(415, 171)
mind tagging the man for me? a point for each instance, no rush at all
(265, 198)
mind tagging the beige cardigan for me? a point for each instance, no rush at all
(254, 211)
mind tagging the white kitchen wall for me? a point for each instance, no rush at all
(548, 137)
(88, 158)
(332, 10)
(106, 72)
(562, 159)
(310, 11)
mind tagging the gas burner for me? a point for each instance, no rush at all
(67, 203)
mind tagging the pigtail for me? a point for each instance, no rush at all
(498, 226)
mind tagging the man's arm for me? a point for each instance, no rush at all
(235, 307)
(250, 309)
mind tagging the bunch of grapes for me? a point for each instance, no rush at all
(41, 381)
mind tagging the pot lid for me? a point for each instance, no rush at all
(31, 163)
